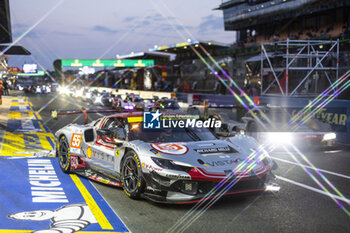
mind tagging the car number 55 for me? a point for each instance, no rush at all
(76, 140)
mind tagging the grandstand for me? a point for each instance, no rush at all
(265, 21)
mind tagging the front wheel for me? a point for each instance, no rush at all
(133, 183)
(64, 154)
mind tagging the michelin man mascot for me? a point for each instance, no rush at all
(67, 219)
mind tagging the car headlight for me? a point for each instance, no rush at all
(128, 107)
(280, 138)
(88, 95)
(63, 90)
(98, 99)
(172, 165)
(329, 136)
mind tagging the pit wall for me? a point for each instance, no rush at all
(336, 113)
(143, 94)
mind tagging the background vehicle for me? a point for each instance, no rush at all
(121, 105)
(278, 128)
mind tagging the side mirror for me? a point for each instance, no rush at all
(104, 133)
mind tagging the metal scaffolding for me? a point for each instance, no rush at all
(292, 63)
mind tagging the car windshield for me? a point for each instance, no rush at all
(137, 132)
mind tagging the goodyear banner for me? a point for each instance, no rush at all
(36, 196)
(334, 116)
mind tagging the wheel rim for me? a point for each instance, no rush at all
(63, 154)
(130, 175)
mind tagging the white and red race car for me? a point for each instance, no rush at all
(172, 165)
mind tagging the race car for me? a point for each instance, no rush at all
(122, 105)
(104, 99)
(166, 165)
(42, 89)
(165, 104)
(140, 103)
(275, 125)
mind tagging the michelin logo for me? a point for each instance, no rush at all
(67, 219)
(151, 120)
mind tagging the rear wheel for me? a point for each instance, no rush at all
(64, 154)
(133, 183)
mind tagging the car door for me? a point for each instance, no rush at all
(103, 151)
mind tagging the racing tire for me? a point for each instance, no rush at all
(131, 175)
(64, 154)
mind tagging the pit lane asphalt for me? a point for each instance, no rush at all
(293, 209)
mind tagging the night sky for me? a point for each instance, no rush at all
(101, 29)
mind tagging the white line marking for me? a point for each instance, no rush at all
(321, 170)
(332, 151)
(314, 189)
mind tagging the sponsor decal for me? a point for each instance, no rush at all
(170, 148)
(117, 153)
(178, 176)
(44, 199)
(226, 149)
(44, 182)
(336, 117)
(223, 162)
(75, 143)
(74, 217)
(74, 162)
(89, 152)
(150, 167)
(104, 181)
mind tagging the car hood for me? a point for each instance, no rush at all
(211, 156)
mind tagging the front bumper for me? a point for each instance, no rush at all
(164, 190)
